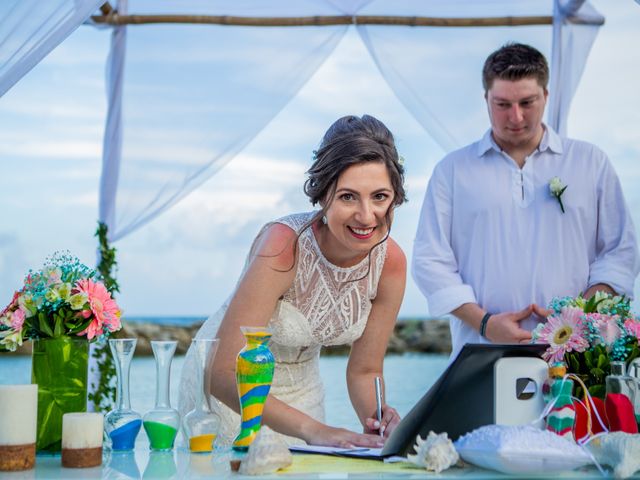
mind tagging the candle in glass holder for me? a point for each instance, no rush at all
(18, 419)
(82, 440)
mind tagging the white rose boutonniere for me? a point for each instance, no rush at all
(557, 188)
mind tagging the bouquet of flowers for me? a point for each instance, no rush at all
(589, 334)
(64, 298)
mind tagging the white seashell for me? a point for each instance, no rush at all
(267, 454)
(436, 453)
(619, 450)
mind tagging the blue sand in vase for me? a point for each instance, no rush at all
(124, 438)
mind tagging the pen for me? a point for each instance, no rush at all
(378, 386)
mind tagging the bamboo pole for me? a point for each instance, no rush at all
(114, 19)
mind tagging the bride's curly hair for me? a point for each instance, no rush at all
(353, 140)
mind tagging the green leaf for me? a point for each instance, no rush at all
(634, 351)
(80, 327)
(575, 364)
(598, 373)
(598, 390)
(588, 359)
(44, 325)
(602, 360)
(57, 328)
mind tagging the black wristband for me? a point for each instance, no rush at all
(483, 324)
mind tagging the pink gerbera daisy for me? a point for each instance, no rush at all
(564, 333)
(103, 308)
(632, 326)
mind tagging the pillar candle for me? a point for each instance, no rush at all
(82, 440)
(18, 419)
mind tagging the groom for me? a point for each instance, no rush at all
(520, 216)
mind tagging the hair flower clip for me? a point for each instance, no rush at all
(557, 188)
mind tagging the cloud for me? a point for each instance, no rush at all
(187, 260)
(12, 263)
(53, 149)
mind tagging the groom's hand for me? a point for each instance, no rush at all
(505, 327)
(542, 312)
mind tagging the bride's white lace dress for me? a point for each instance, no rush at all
(323, 306)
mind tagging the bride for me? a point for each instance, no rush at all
(326, 277)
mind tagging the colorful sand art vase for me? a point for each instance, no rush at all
(122, 424)
(254, 373)
(201, 425)
(562, 417)
(60, 368)
(162, 423)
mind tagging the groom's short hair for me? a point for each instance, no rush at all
(515, 61)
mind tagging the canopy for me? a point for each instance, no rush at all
(217, 75)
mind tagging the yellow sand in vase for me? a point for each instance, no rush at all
(253, 411)
(202, 443)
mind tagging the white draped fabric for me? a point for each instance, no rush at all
(30, 29)
(571, 46)
(200, 93)
(203, 94)
(435, 72)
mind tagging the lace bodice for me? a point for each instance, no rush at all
(332, 303)
(325, 305)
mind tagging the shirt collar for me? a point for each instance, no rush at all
(550, 140)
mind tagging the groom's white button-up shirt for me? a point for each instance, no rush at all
(492, 233)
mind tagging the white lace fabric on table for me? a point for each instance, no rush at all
(325, 305)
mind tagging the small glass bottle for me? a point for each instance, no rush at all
(122, 424)
(620, 382)
(162, 423)
(634, 372)
(201, 424)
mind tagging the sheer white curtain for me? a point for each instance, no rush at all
(571, 46)
(30, 29)
(436, 72)
(198, 95)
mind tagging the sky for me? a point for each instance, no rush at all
(186, 261)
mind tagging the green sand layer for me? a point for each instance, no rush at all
(161, 435)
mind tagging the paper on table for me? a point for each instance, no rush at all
(357, 452)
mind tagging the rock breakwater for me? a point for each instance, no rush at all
(410, 335)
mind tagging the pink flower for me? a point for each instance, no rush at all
(606, 325)
(12, 304)
(17, 319)
(564, 333)
(632, 326)
(103, 308)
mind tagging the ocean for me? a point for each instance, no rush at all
(168, 321)
(407, 376)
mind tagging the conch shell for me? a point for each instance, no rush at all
(268, 453)
(435, 453)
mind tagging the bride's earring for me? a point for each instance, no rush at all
(324, 219)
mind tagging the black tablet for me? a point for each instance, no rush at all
(461, 400)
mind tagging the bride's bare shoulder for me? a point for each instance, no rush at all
(276, 243)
